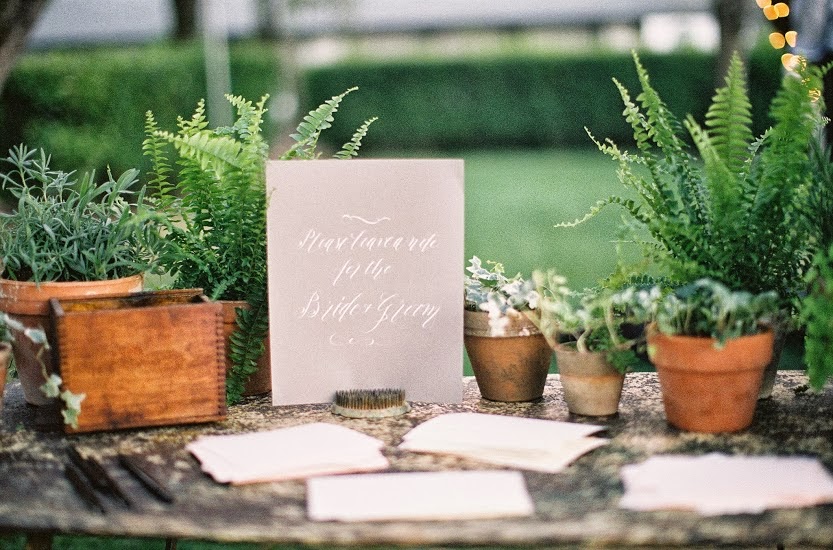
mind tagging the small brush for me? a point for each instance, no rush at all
(377, 403)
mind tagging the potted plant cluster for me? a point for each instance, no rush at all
(710, 346)
(509, 355)
(214, 192)
(67, 237)
(596, 335)
(736, 208)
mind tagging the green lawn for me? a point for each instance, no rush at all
(514, 198)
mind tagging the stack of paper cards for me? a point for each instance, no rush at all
(418, 496)
(717, 484)
(288, 453)
(526, 443)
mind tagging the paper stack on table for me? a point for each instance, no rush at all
(526, 443)
(288, 453)
(418, 496)
(717, 484)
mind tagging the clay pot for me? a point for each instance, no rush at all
(507, 368)
(592, 386)
(29, 303)
(5, 359)
(705, 389)
(260, 381)
(779, 330)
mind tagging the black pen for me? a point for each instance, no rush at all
(82, 486)
(145, 477)
(97, 474)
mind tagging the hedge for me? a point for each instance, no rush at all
(87, 106)
(519, 101)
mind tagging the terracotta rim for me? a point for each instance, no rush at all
(30, 298)
(476, 323)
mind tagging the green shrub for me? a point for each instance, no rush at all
(87, 106)
(518, 101)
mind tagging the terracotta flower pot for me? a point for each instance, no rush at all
(29, 303)
(779, 330)
(705, 389)
(592, 386)
(5, 359)
(508, 368)
(260, 381)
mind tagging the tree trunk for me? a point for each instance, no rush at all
(730, 14)
(17, 17)
(185, 12)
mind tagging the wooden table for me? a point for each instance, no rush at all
(578, 506)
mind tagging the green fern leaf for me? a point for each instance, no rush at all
(351, 148)
(729, 119)
(153, 147)
(309, 130)
(247, 345)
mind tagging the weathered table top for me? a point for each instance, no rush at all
(578, 506)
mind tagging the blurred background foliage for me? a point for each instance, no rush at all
(87, 105)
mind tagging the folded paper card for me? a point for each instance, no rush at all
(418, 496)
(288, 453)
(365, 288)
(717, 484)
(527, 443)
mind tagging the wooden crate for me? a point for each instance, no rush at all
(147, 359)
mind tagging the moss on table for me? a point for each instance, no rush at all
(578, 506)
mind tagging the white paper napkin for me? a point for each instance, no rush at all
(526, 443)
(716, 484)
(418, 496)
(288, 453)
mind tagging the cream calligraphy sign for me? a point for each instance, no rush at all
(365, 278)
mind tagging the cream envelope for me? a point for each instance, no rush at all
(288, 453)
(418, 496)
(527, 443)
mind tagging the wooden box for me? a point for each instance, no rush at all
(147, 359)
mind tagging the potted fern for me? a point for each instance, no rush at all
(509, 355)
(596, 335)
(218, 203)
(710, 346)
(67, 237)
(735, 209)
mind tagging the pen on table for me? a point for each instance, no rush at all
(146, 478)
(97, 474)
(83, 487)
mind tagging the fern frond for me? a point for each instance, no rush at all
(721, 182)
(351, 148)
(662, 125)
(196, 123)
(729, 118)
(309, 130)
(153, 147)
(628, 204)
(247, 345)
(208, 149)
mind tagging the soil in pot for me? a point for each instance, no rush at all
(592, 386)
(260, 381)
(710, 390)
(29, 303)
(507, 368)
